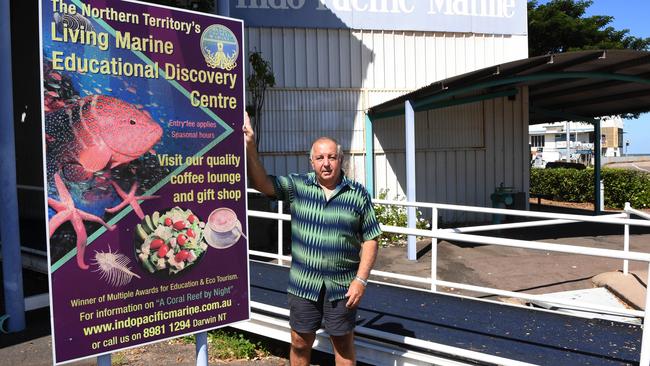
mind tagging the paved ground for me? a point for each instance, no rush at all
(635, 165)
(535, 272)
(485, 265)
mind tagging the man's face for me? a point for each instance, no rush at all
(326, 162)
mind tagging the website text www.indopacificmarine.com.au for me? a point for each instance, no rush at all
(162, 315)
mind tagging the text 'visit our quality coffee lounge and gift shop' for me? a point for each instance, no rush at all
(145, 173)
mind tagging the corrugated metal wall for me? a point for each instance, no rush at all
(343, 58)
(327, 78)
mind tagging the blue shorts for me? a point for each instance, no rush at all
(306, 316)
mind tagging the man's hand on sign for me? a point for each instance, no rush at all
(249, 134)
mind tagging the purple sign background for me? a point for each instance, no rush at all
(143, 110)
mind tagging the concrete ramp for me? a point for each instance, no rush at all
(448, 323)
(630, 288)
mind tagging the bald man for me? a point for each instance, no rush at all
(333, 246)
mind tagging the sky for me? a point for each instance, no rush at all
(635, 16)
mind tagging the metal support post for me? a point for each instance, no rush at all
(601, 206)
(202, 349)
(434, 250)
(645, 336)
(104, 360)
(9, 224)
(568, 141)
(223, 7)
(280, 234)
(409, 120)
(370, 157)
(597, 152)
(626, 238)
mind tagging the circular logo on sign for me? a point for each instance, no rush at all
(219, 47)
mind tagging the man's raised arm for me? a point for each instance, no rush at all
(257, 175)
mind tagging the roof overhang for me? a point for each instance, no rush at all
(576, 86)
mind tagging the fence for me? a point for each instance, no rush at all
(463, 235)
(271, 324)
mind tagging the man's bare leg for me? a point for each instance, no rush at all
(301, 343)
(344, 354)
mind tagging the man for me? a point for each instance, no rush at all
(333, 246)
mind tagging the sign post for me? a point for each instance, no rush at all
(144, 171)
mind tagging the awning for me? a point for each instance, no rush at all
(574, 86)
(567, 86)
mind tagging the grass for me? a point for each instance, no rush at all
(119, 359)
(230, 345)
(227, 345)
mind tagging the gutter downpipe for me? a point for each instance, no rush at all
(409, 131)
(9, 219)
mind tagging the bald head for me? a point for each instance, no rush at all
(339, 151)
(326, 157)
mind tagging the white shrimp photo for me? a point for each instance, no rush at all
(114, 268)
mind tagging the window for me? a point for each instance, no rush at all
(620, 137)
(562, 137)
(537, 141)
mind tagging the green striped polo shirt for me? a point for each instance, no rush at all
(326, 236)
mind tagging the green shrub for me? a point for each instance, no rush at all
(621, 185)
(395, 215)
(569, 185)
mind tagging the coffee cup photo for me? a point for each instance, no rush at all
(223, 228)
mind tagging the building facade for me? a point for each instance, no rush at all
(549, 142)
(332, 60)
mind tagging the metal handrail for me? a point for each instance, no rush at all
(603, 219)
(447, 235)
(631, 210)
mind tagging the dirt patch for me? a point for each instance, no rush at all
(588, 206)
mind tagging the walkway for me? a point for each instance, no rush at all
(532, 336)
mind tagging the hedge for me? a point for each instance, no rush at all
(571, 185)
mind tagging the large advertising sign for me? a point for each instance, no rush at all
(473, 16)
(145, 173)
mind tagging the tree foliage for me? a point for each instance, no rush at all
(260, 78)
(561, 26)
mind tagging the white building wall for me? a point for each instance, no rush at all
(579, 131)
(327, 78)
